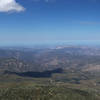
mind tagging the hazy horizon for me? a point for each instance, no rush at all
(58, 43)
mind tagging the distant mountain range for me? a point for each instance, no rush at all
(65, 57)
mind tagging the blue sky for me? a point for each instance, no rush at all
(40, 21)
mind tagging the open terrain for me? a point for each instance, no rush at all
(60, 73)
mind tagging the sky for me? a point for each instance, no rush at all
(48, 21)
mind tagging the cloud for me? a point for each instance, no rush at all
(47, 1)
(90, 23)
(10, 6)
